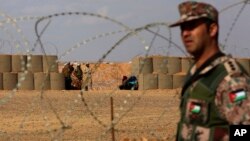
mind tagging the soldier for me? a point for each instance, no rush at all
(79, 72)
(76, 77)
(67, 71)
(215, 93)
(88, 80)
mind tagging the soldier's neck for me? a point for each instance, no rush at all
(201, 59)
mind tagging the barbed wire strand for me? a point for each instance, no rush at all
(233, 25)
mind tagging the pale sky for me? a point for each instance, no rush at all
(65, 32)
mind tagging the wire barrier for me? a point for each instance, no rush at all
(89, 115)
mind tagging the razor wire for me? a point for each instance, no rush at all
(245, 2)
(104, 56)
(125, 37)
(10, 20)
(114, 122)
(165, 111)
(75, 13)
(79, 14)
(4, 100)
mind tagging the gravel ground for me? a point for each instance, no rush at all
(70, 116)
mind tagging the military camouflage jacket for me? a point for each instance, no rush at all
(231, 100)
(237, 82)
(232, 97)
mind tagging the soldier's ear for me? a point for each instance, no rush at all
(213, 29)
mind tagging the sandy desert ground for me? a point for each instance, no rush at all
(57, 115)
(66, 115)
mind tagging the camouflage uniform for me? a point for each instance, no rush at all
(214, 96)
(88, 79)
(78, 72)
(192, 10)
(77, 78)
(235, 111)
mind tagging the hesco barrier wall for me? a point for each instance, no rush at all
(26, 81)
(142, 65)
(186, 63)
(170, 71)
(178, 79)
(160, 64)
(245, 63)
(148, 81)
(50, 64)
(12, 68)
(9, 80)
(18, 63)
(165, 81)
(153, 72)
(5, 63)
(56, 81)
(36, 63)
(158, 71)
(41, 81)
(174, 65)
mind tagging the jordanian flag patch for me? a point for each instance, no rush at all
(195, 108)
(237, 96)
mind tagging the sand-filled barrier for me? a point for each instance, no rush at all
(5, 63)
(142, 65)
(57, 81)
(19, 63)
(41, 81)
(9, 80)
(36, 64)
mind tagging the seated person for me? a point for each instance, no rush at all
(130, 83)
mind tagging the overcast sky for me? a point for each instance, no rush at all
(64, 32)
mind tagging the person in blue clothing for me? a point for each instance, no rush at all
(130, 83)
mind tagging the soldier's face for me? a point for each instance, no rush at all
(195, 36)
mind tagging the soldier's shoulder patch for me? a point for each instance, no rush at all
(232, 99)
(233, 88)
(232, 66)
(216, 62)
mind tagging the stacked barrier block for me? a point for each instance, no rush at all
(160, 72)
(30, 72)
(245, 63)
(169, 72)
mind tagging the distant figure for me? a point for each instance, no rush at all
(88, 74)
(76, 77)
(130, 83)
(67, 71)
(124, 80)
(79, 72)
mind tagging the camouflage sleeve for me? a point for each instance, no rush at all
(233, 99)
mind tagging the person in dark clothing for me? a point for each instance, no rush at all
(79, 72)
(124, 80)
(67, 71)
(130, 83)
